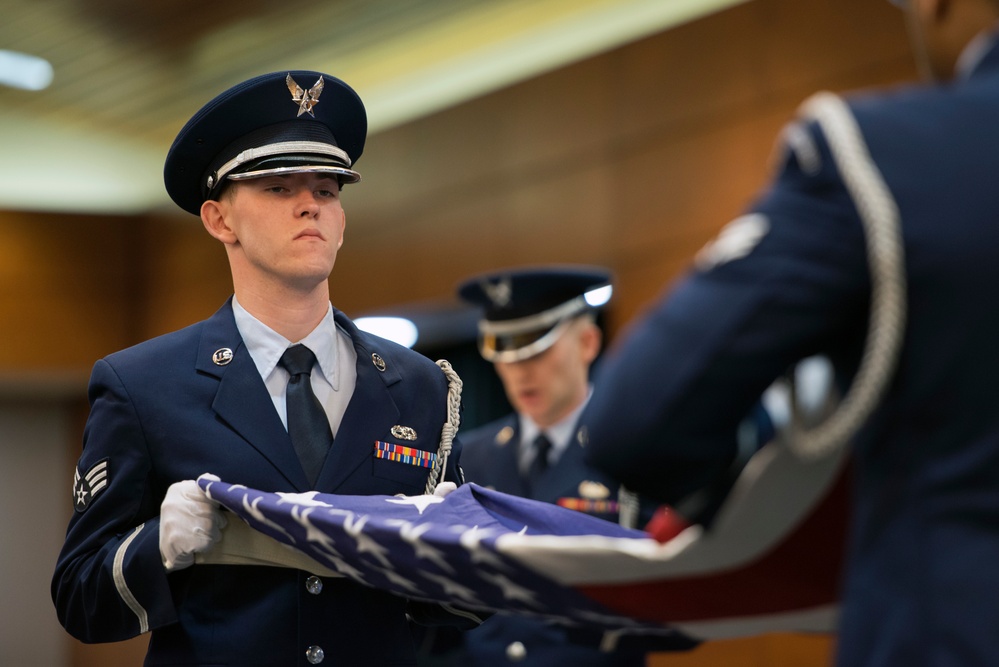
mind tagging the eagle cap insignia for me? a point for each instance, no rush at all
(499, 292)
(305, 99)
(403, 432)
(593, 490)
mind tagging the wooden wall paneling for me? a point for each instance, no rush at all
(425, 162)
(482, 179)
(128, 653)
(677, 193)
(67, 284)
(806, 43)
(777, 650)
(490, 147)
(562, 120)
(187, 273)
(688, 76)
(561, 218)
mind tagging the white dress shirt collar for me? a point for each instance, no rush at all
(266, 345)
(559, 434)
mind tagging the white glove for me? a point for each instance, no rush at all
(190, 523)
(444, 488)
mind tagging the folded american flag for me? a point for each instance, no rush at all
(770, 562)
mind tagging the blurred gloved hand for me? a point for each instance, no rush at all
(444, 488)
(190, 523)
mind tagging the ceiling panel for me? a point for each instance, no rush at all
(128, 74)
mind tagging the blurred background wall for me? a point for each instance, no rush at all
(631, 158)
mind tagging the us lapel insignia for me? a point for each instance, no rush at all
(377, 360)
(403, 432)
(504, 435)
(222, 356)
(593, 490)
(305, 99)
(90, 484)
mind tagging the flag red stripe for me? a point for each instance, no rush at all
(802, 571)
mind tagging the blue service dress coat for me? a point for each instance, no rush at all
(922, 586)
(490, 458)
(164, 411)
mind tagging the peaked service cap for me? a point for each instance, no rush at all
(282, 122)
(525, 309)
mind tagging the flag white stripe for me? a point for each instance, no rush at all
(756, 515)
(820, 619)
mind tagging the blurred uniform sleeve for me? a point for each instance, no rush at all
(783, 282)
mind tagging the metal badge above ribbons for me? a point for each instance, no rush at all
(404, 432)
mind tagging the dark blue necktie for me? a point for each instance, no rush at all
(542, 445)
(307, 423)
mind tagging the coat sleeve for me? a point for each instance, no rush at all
(109, 582)
(785, 281)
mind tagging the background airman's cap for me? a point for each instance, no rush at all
(283, 122)
(525, 310)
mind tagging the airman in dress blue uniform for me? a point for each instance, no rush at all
(262, 164)
(538, 329)
(791, 279)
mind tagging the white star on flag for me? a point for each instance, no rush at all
(397, 579)
(313, 534)
(471, 538)
(307, 499)
(452, 588)
(411, 534)
(253, 511)
(365, 544)
(511, 590)
(346, 569)
(421, 502)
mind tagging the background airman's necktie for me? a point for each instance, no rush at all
(542, 445)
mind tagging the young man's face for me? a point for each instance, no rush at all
(287, 228)
(550, 385)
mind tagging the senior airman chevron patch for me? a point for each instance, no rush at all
(89, 485)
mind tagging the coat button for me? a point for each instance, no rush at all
(314, 585)
(315, 655)
(516, 652)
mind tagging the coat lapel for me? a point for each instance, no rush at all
(370, 412)
(569, 469)
(507, 459)
(242, 401)
(564, 479)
